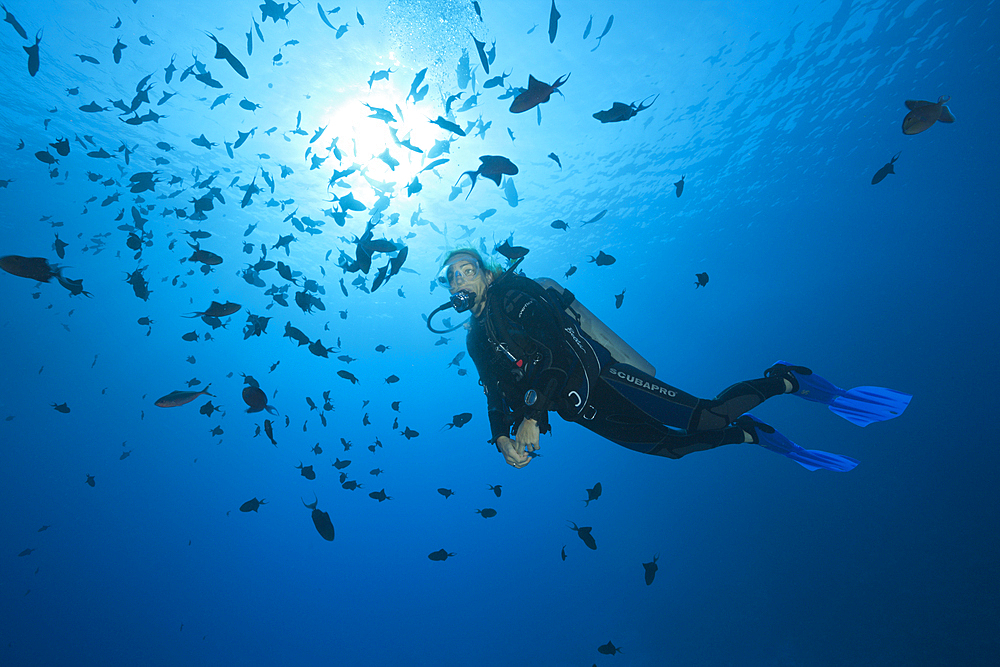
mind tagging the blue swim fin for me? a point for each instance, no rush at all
(811, 459)
(861, 405)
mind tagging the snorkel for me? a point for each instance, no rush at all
(464, 300)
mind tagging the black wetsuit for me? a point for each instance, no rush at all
(532, 358)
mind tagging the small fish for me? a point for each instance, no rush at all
(608, 649)
(596, 217)
(321, 520)
(602, 259)
(497, 490)
(922, 114)
(555, 158)
(562, 552)
(348, 376)
(409, 433)
(459, 420)
(620, 112)
(117, 50)
(702, 280)
(252, 505)
(511, 252)
(537, 93)
(306, 471)
(440, 554)
(493, 167)
(679, 185)
(885, 170)
(223, 53)
(90, 481)
(607, 27)
(9, 18)
(570, 271)
(554, 16)
(448, 125)
(61, 407)
(446, 492)
(651, 569)
(619, 298)
(584, 533)
(177, 398)
(593, 494)
(392, 379)
(379, 495)
(487, 512)
(32, 52)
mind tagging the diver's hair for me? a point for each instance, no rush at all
(490, 267)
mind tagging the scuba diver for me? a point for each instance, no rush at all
(538, 350)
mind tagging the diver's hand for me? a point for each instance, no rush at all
(527, 435)
(512, 452)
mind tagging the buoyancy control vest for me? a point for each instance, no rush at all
(560, 372)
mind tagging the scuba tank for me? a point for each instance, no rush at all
(598, 330)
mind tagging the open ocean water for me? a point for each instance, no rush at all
(775, 114)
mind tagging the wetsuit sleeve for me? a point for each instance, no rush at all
(499, 413)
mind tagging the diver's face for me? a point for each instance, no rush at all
(467, 276)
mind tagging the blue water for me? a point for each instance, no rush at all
(776, 113)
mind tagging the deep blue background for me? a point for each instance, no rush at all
(778, 114)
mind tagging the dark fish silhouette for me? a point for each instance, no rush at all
(570, 271)
(679, 185)
(487, 512)
(33, 268)
(593, 494)
(608, 649)
(493, 167)
(537, 93)
(256, 400)
(562, 552)
(61, 407)
(32, 52)
(348, 376)
(9, 18)
(619, 298)
(596, 217)
(340, 465)
(379, 495)
(177, 398)
(602, 259)
(446, 492)
(481, 48)
(511, 252)
(117, 50)
(497, 490)
(440, 554)
(459, 420)
(90, 480)
(651, 569)
(922, 114)
(217, 310)
(321, 520)
(607, 27)
(252, 505)
(448, 125)
(559, 224)
(702, 280)
(555, 158)
(307, 471)
(222, 53)
(885, 170)
(585, 535)
(27, 552)
(620, 112)
(553, 22)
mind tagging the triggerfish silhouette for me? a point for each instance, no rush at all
(536, 94)
(923, 114)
